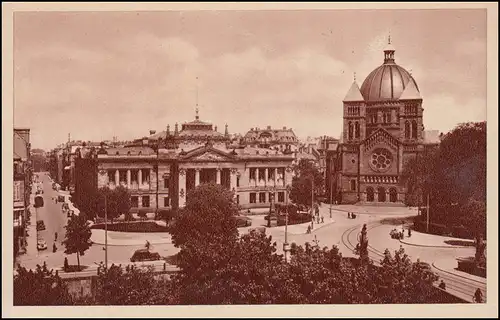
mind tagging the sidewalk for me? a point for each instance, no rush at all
(431, 240)
(130, 238)
(448, 266)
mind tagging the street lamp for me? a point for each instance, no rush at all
(286, 246)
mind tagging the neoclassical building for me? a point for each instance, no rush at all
(382, 129)
(161, 169)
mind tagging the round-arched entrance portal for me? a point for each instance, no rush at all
(393, 195)
(370, 194)
(381, 194)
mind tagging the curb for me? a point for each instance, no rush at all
(433, 246)
(128, 245)
(458, 274)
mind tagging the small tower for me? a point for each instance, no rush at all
(226, 132)
(389, 52)
(168, 130)
(354, 114)
(176, 130)
(197, 117)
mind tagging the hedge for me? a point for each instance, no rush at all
(142, 226)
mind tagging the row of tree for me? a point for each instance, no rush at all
(217, 266)
(454, 177)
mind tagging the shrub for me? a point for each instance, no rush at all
(142, 226)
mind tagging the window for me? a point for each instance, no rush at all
(238, 199)
(252, 173)
(281, 197)
(134, 201)
(145, 201)
(237, 181)
(414, 129)
(407, 130)
(350, 130)
(166, 201)
(353, 185)
(165, 183)
(262, 197)
(357, 130)
(262, 174)
(253, 197)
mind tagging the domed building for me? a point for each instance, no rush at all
(382, 129)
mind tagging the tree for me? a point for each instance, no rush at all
(305, 172)
(77, 237)
(208, 217)
(247, 272)
(122, 198)
(132, 286)
(39, 288)
(454, 176)
(112, 199)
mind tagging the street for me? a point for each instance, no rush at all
(338, 230)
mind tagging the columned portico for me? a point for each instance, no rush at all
(218, 175)
(182, 187)
(197, 177)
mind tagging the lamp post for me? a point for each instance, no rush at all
(106, 231)
(286, 246)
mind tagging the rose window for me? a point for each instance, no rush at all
(381, 159)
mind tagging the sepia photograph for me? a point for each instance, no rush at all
(203, 155)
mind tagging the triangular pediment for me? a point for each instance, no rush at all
(354, 94)
(207, 153)
(411, 92)
(380, 135)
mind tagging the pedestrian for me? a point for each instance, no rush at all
(322, 219)
(348, 215)
(55, 236)
(409, 232)
(54, 248)
(317, 220)
(442, 285)
(478, 296)
(308, 229)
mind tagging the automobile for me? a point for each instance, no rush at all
(395, 234)
(145, 255)
(424, 265)
(242, 221)
(41, 244)
(40, 225)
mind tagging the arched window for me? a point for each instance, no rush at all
(414, 129)
(370, 194)
(350, 130)
(353, 185)
(393, 195)
(381, 194)
(407, 129)
(357, 130)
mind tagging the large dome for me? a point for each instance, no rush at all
(388, 81)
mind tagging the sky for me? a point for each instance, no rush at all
(97, 75)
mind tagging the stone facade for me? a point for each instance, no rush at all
(382, 130)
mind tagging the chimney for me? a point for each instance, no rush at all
(215, 129)
(284, 128)
(151, 132)
(226, 133)
(268, 127)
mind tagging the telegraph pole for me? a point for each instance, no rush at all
(428, 212)
(106, 231)
(286, 247)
